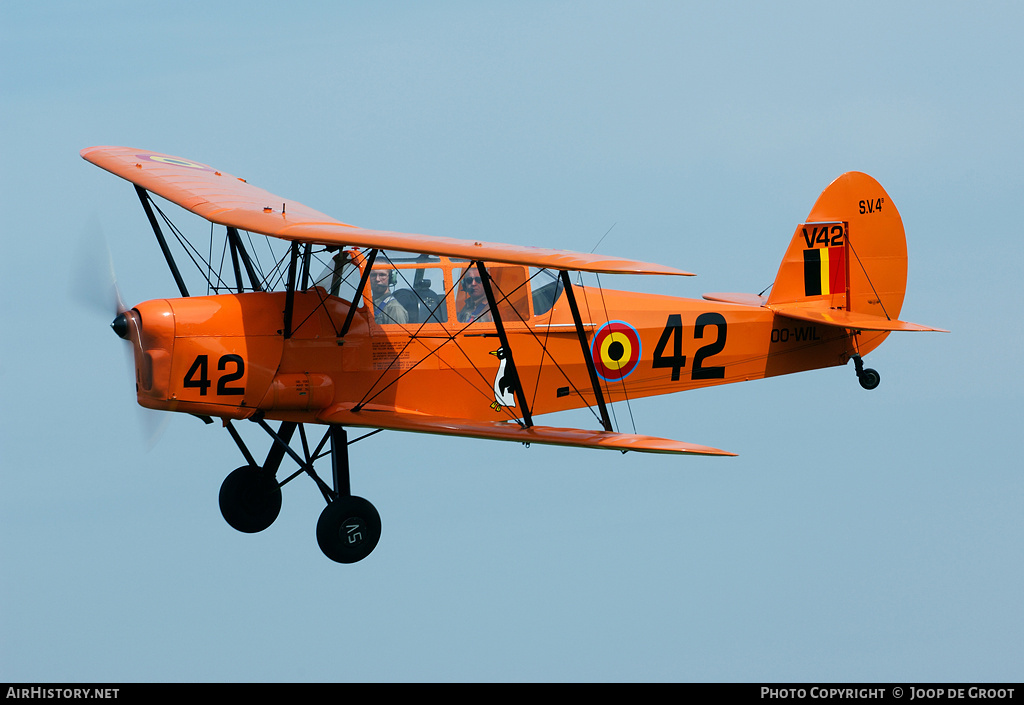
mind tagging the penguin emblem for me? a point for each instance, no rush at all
(504, 383)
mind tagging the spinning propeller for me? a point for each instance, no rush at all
(94, 285)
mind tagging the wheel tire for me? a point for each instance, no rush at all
(250, 499)
(348, 529)
(869, 379)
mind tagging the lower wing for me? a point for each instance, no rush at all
(396, 420)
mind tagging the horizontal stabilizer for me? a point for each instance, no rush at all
(818, 312)
(228, 200)
(742, 299)
(369, 417)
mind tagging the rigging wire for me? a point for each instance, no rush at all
(868, 277)
(210, 260)
(186, 245)
(602, 238)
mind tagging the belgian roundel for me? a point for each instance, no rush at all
(616, 350)
(174, 161)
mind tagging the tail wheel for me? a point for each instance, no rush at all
(250, 499)
(869, 378)
(348, 529)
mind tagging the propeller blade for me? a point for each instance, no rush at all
(93, 282)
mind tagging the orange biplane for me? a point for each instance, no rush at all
(351, 327)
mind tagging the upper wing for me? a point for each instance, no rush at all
(229, 200)
(392, 419)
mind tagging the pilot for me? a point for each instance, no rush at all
(474, 308)
(387, 309)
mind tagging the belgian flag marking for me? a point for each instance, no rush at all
(825, 271)
(616, 350)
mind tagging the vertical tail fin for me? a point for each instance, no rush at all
(850, 255)
(846, 266)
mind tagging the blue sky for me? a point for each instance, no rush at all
(862, 536)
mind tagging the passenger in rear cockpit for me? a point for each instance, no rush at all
(475, 307)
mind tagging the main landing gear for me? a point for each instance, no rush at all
(867, 377)
(250, 497)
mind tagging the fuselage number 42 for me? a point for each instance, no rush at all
(675, 360)
(198, 376)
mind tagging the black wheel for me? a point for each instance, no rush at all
(250, 499)
(869, 379)
(348, 529)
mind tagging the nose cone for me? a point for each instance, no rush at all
(120, 326)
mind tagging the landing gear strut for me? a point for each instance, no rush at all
(349, 527)
(250, 498)
(867, 377)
